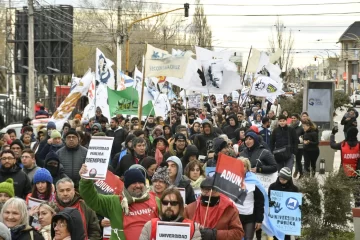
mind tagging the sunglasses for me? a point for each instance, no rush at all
(95, 129)
(172, 203)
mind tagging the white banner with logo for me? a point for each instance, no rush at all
(319, 105)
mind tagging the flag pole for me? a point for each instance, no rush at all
(142, 87)
(187, 105)
(207, 208)
(243, 79)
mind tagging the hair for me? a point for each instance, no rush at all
(306, 113)
(27, 128)
(102, 120)
(115, 119)
(34, 191)
(175, 191)
(310, 124)
(10, 131)
(51, 206)
(65, 180)
(21, 206)
(29, 151)
(7, 151)
(295, 115)
(138, 132)
(246, 163)
(191, 165)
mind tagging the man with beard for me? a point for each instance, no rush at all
(177, 147)
(119, 135)
(128, 214)
(67, 197)
(17, 147)
(172, 210)
(204, 141)
(222, 221)
(10, 169)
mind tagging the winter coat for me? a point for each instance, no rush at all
(56, 173)
(348, 123)
(288, 187)
(72, 159)
(172, 151)
(30, 172)
(191, 150)
(92, 222)
(41, 154)
(126, 162)
(119, 135)
(204, 142)
(74, 223)
(280, 138)
(25, 234)
(261, 158)
(313, 137)
(22, 185)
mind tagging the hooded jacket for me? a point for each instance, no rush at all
(261, 158)
(22, 185)
(23, 233)
(349, 123)
(287, 187)
(181, 181)
(191, 150)
(280, 138)
(204, 142)
(119, 135)
(74, 223)
(58, 172)
(41, 154)
(92, 222)
(172, 150)
(230, 130)
(118, 156)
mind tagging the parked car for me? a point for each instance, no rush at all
(35, 123)
(355, 98)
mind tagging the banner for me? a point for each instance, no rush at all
(104, 73)
(172, 230)
(160, 63)
(267, 179)
(319, 105)
(124, 82)
(126, 102)
(97, 157)
(229, 178)
(210, 171)
(138, 76)
(266, 87)
(162, 106)
(194, 101)
(285, 215)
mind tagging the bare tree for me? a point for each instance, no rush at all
(283, 39)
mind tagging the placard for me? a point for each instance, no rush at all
(172, 230)
(106, 231)
(97, 157)
(286, 214)
(267, 179)
(183, 194)
(194, 101)
(34, 202)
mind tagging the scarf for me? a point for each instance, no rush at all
(16, 231)
(41, 196)
(196, 184)
(159, 155)
(46, 232)
(127, 199)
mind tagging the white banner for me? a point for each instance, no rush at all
(172, 230)
(104, 73)
(162, 106)
(267, 179)
(97, 157)
(319, 108)
(266, 87)
(194, 101)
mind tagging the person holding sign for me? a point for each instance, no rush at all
(128, 213)
(172, 211)
(216, 213)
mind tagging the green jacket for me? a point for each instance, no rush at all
(108, 206)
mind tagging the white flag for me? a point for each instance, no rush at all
(266, 87)
(104, 73)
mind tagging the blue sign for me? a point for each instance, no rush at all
(210, 171)
(285, 214)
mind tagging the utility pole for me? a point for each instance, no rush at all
(31, 62)
(119, 40)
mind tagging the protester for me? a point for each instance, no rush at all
(273, 120)
(233, 124)
(26, 140)
(160, 181)
(150, 165)
(10, 169)
(52, 164)
(54, 143)
(265, 132)
(167, 132)
(196, 174)
(178, 180)
(296, 124)
(128, 214)
(191, 154)
(204, 141)
(6, 191)
(161, 146)
(311, 147)
(46, 211)
(119, 135)
(68, 225)
(17, 147)
(126, 149)
(49, 128)
(349, 119)
(172, 210)
(99, 115)
(42, 188)
(177, 146)
(67, 197)
(14, 215)
(29, 163)
(222, 218)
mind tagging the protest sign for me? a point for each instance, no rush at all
(194, 101)
(34, 202)
(97, 157)
(183, 193)
(210, 171)
(106, 231)
(267, 179)
(172, 230)
(285, 215)
(229, 178)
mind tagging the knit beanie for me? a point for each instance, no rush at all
(17, 142)
(133, 176)
(255, 129)
(162, 175)
(352, 134)
(42, 175)
(180, 136)
(55, 134)
(8, 187)
(254, 136)
(51, 125)
(52, 156)
(285, 173)
(97, 125)
(72, 131)
(4, 232)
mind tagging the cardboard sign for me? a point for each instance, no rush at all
(183, 194)
(106, 231)
(172, 230)
(34, 202)
(97, 157)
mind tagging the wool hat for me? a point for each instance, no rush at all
(42, 175)
(133, 176)
(17, 142)
(97, 125)
(255, 129)
(162, 175)
(55, 134)
(8, 187)
(285, 173)
(253, 135)
(51, 125)
(72, 131)
(52, 156)
(166, 143)
(4, 232)
(208, 182)
(219, 144)
(180, 136)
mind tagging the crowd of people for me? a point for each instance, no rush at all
(157, 160)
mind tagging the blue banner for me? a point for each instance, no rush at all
(285, 214)
(210, 171)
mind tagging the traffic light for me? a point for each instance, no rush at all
(186, 7)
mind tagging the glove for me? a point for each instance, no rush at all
(208, 233)
(334, 130)
(271, 203)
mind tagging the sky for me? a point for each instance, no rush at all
(315, 35)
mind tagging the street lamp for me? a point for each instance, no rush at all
(186, 14)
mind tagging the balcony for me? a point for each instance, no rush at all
(350, 54)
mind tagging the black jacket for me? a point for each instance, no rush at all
(56, 173)
(119, 137)
(313, 137)
(22, 185)
(126, 162)
(24, 234)
(348, 123)
(288, 187)
(191, 150)
(204, 142)
(74, 222)
(42, 144)
(280, 138)
(189, 191)
(230, 130)
(41, 154)
(261, 158)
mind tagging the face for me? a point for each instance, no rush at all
(282, 122)
(26, 138)
(207, 129)
(172, 169)
(207, 192)
(27, 160)
(16, 149)
(159, 186)
(65, 130)
(232, 122)
(160, 144)
(240, 117)
(150, 120)
(60, 228)
(242, 134)
(258, 117)
(91, 122)
(161, 120)
(249, 142)
(167, 131)
(72, 141)
(304, 117)
(180, 144)
(192, 158)
(44, 216)
(65, 192)
(41, 187)
(167, 209)
(95, 129)
(285, 113)
(98, 113)
(4, 197)
(57, 141)
(306, 127)
(41, 136)
(282, 180)
(11, 216)
(195, 173)
(136, 189)
(12, 136)
(173, 120)
(140, 148)
(151, 170)
(271, 114)
(7, 160)
(293, 119)
(352, 113)
(196, 127)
